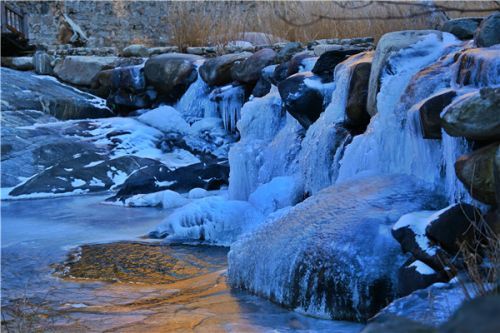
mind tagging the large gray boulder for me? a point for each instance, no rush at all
(171, 73)
(217, 71)
(25, 91)
(464, 27)
(389, 43)
(80, 70)
(477, 172)
(475, 116)
(332, 254)
(488, 32)
(249, 71)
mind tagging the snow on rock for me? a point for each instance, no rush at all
(198, 193)
(422, 268)
(333, 254)
(166, 199)
(214, 220)
(166, 119)
(208, 135)
(280, 192)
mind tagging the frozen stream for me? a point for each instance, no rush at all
(39, 233)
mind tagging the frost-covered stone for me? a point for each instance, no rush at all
(166, 119)
(279, 193)
(333, 253)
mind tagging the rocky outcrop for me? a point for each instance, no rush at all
(476, 171)
(217, 71)
(249, 71)
(302, 98)
(389, 43)
(171, 74)
(487, 34)
(475, 115)
(430, 110)
(464, 27)
(357, 115)
(25, 91)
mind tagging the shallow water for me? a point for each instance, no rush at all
(39, 233)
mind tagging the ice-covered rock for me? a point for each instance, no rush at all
(279, 193)
(166, 199)
(333, 254)
(198, 193)
(166, 119)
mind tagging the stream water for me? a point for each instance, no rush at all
(39, 233)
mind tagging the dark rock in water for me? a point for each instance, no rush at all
(327, 62)
(156, 178)
(430, 111)
(463, 27)
(333, 253)
(416, 275)
(488, 32)
(475, 116)
(453, 225)
(395, 324)
(262, 88)
(280, 73)
(357, 115)
(476, 171)
(85, 173)
(171, 74)
(302, 100)
(217, 71)
(479, 315)
(287, 52)
(25, 91)
(249, 71)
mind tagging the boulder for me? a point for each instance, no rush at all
(430, 110)
(287, 52)
(332, 254)
(249, 71)
(171, 73)
(389, 43)
(478, 67)
(25, 91)
(298, 62)
(479, 315)
(475, 115)
(237, 46)
(463, 27)
(453, 225)
(326, 63)
(135, 50)
(43, 63)
(357, 115)
(476, 172)
(416, 275)
(80, 70)
(217, 71)
(302, 98)
(19, 63)
(162, 49)
(262, 88)
(487, 33)
(280, 73)
(394, 324)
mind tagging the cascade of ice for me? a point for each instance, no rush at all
(229, 101)
(196, 103)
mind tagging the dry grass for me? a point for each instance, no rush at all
(212, 23)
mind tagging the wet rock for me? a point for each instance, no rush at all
(475, 115)
(262, 88)
(479, 316)
(326, 63)
(19, 63)
(156, 178)
(416, 275)
(249, 71)
(80, 70)
(302, 98)
(389, 43)
(217, 71)
(478, 67)
(395, 324)
(358, 92)
(487, 33)
(171, 74)
(430, 111)
(43, 63)
(287, 52)
(346, 258)
(135, 50)
(476, 172)
(463, 27)
(280, 73)
(25, 91)
(298, 62)
(453, 225)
